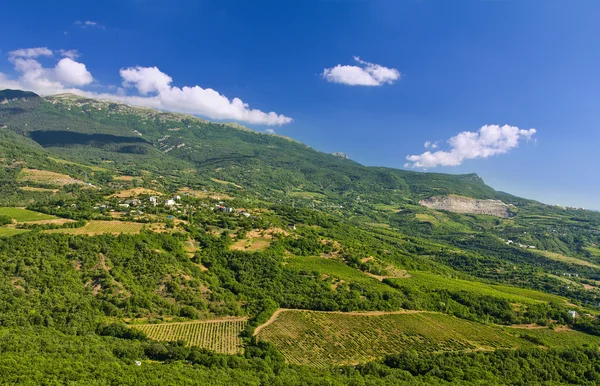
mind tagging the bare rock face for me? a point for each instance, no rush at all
(340, 154)
(459, 204)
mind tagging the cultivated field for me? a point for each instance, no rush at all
(222, 182)
(34, 189)
(593, 250)
(323, 339)
(307, 195)
(47, 177)
(95, 227)
(252, 244)
(222, 336)
(6, 231)
(561, 337)
(24, 215)
(65, 162)
(569, 259)
(134, 192)
(430, 281)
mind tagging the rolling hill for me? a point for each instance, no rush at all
(208, 252)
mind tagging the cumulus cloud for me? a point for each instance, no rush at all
(152, 86)
(30, 52)
(145, 79)
(72, 73)
(363, 74)
(488, 141)
(35, 77)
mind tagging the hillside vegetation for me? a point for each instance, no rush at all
(132, 235)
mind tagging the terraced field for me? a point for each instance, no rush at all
(323, 339)
(222, 336)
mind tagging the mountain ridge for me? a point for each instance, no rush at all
(168, 132)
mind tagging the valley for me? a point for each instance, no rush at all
(133, 235)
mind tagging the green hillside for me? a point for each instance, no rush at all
(118, 221)
(91, 131)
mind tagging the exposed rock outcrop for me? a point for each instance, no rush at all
(459, 204)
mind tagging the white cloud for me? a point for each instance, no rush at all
(72, 73)
(30, 52)
(193, 100)
(73, 54)
(270, 131)
(365, 74)
(89, 23)
(488, 141)
(145, 79)
(432, 145)
(153, 87)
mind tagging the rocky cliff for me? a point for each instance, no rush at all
(460, 204)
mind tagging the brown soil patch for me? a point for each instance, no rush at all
(203, 194)
(58, 221)
(254, 244)
(124, 178)
(97, 288)
(393, 273)
(222, 182)
(136, 192)
(34, 189)
(333, 255)
(14, 282)
(531, 326)
(101, 263)
(203, 268)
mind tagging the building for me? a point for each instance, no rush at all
(170, 202)
(225, 209)
(573, 314)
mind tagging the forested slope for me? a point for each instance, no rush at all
(116, 220)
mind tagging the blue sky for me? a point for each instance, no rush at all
(461, 65)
